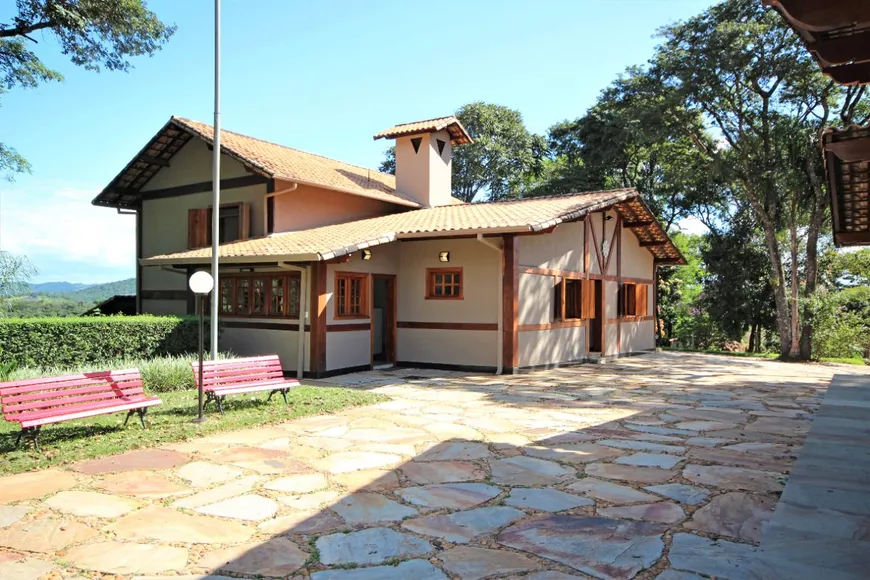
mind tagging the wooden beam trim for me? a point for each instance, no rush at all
(534, 270)
(510, 305)
(552, 325)
(201, 187)
(349, 327)
(630, 319)
(317, 317)
(597, 249)
(653, 243)
(447, 325)
(154, 160)
(613, 241)
(291, 326)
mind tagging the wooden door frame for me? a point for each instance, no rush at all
(391, 316)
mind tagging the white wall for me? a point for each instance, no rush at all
(261, 341)
(348, 349)
(543, 347)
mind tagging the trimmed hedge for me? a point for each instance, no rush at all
(71, 342)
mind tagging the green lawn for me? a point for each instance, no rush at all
(767, 355)
(168, 423)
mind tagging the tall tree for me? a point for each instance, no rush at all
(15, 273)
(743, 69)
(495, 166)
(94, 34)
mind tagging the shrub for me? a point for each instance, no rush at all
(159, 375)
(837, 331)
(71, 342)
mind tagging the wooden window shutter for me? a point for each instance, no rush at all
(641, 303)
(244, 221)
(587, 299)
(620, 300)
(197, 228)
(558, 303)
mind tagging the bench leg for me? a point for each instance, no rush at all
(129, 414)
(220, 405)
(141, 412)
(32, 434)
(283, 394)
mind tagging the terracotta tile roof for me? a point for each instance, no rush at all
(324, 243)
(458, 134)
(268, 159)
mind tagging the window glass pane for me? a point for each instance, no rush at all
(355, 298)
(230, 223)
(276, 299)
(243, 297)
(227, 295)
(294, 289)
(259, 295)
(341, 291)
(439, 290)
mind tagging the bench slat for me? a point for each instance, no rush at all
(67, 401)
(89, 413)
(243, 364)
(54, 393)
(254, 387)
(34, 385)
(85, 406)
(236, 376)
(240, 360)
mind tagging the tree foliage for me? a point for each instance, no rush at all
(501, 159)
(94, 34)
(15, 272)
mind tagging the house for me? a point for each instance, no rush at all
(338, 268)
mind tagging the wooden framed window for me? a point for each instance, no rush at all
(260, 295)
(444, 283)
(351, 295)
(633, 299)
(577, 297)
(235, 224)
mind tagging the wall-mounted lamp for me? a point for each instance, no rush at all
(366, 254)
(607, 217)
(444, 257)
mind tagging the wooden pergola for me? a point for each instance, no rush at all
(837, 34)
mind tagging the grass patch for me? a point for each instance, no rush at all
(765, 355)
(168, 423)
(845, 361)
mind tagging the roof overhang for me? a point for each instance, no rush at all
(847, 165)
(836, 32)
(453, 126)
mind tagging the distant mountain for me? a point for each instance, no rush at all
(100, 292)
(52, 287)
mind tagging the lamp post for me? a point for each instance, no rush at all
(201, 283)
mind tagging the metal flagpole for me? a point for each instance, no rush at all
(216, 182)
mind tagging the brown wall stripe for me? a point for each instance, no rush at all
(348, 327)
(449, 325)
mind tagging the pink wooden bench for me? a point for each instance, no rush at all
(47, 400)
(242, 375)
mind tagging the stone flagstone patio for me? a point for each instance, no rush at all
(664, 466)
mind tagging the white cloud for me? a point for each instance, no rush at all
(692, 225)
(66, 238)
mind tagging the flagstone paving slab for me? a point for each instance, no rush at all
(275, 557)
(45, 535)
(629, 472)
(455, 451)
(141, 484)
(545, 575)
(707, 441)
(603, 547)
(204, 474)
(307, 522)
(527, 471)
(471, 563)
(168, 525)
(367, 480)
(133, 461)
(678, 575)
(347, 461)
(308, 501)
(298, 483)
(738, 515)
(246, 507)
(371, 508)
(737, 478)
(415, 569)
(24, 568)
(370, 546)
(643, 446)
(449, 495)
(442, 471)
(664, 512)
(720, 559)
(91, 503)
(547, 500)
(680, 492)
(219, 493)
(579, 453)
(705, 426)
(610, 492)
(644, 459)
(23, 486)
(780, 426)
(462, 527)
(9, 514)
(127, 558)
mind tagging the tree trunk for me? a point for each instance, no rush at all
(777, 279)
(794, 349)
(753, 339)
(817, 218)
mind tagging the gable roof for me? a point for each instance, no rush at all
(458, 134)
(521, 216)
(270, 160)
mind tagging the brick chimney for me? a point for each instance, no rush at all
(423, 158)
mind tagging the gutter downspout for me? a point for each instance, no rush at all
(266, 204)
(303, 289)
(499, 365)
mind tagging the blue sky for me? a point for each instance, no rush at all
(320, 76)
